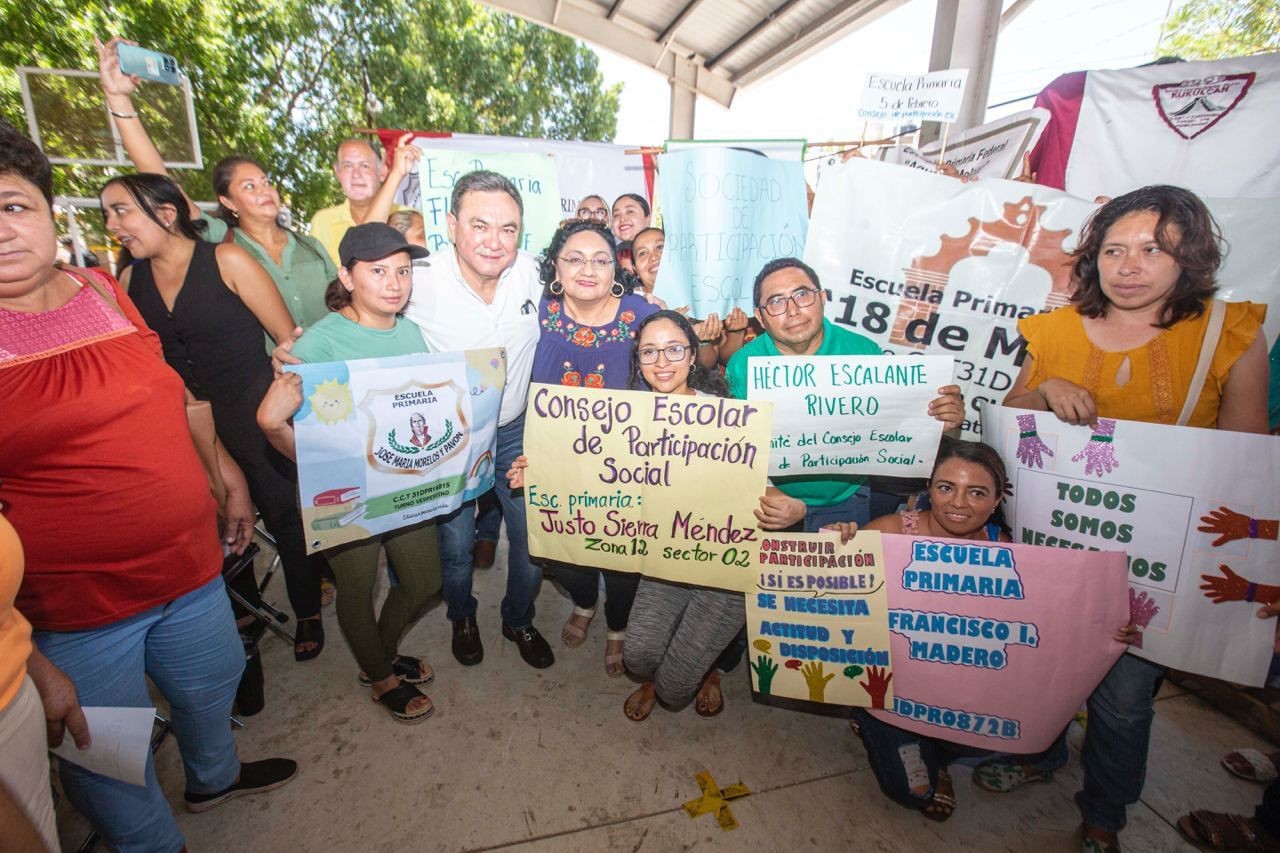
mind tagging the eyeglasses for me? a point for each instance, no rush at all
(599, 215)
(803, 298)
(674, 353)
(578, 261)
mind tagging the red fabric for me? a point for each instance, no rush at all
(650, 173)
(100, 478)
(389, 136)
(1062, 99)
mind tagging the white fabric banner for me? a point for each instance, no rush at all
(922, 263)
(1208, 126)
(1198, 533)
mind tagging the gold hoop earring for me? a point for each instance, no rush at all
(555, 288)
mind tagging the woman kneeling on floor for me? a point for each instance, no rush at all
(365, 302)
(965, 490)
(677, 634)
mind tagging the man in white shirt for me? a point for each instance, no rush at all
(482, 292)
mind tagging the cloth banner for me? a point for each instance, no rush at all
(832, 414)
(996, 645)
(991, 150)
(428, 189)
(651, 483)
(1206, 126)
(779, 149)
(388, 442)
(820, 607)
(1202, 522)
(923, 263)
(726, 214)
(582, 168)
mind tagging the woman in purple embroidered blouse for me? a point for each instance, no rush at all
(588, 323)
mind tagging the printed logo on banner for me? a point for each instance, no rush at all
(927, 277)
(427, 425)
(1193, 106)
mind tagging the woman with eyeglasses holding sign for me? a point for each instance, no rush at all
(588, 324)
(677, 633)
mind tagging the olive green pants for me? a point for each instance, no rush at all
(414, 555)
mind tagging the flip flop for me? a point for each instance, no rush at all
(573, 635)
(1003, 777)
(397, 699)
(639, 717)
(1218, 831)
(1254, 766)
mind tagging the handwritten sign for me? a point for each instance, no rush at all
(653, 483)
(1208, 520)
(917, 97)
(817, 620)
(991, 150)
(534, 175)
(996, 645)
(388, 442)
(840, 414)
(726, 214)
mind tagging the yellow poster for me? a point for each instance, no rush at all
(818, 619)
(653, 483)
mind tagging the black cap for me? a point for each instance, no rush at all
(374, 241)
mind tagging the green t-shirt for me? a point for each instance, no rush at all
(304, 271)
(813, 489)
(335, 338)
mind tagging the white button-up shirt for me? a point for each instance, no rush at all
(453, 317)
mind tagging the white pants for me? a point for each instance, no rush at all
(24, 760)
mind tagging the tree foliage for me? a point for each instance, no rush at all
(285, 80)
(1217, 29)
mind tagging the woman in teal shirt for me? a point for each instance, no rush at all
(372, 289)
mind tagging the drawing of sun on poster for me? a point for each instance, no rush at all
(1195, 510)
(653, 483)
(388, 442)
(996, 645)
(838, 414)
(817, 620)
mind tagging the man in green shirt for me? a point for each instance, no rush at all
(789, 307)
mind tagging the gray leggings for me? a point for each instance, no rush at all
(677, 632)
(415, 554)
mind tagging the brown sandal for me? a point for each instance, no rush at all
(710, 700)
(943, 803)
(633, 707)
(1219, 831)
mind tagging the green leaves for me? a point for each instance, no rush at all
(285, 80)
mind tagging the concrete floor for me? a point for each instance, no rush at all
(544, 760)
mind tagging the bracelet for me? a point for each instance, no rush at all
(121, 115)
(1253, 528)
(704, 343)
(735, 331)
(1251, 592)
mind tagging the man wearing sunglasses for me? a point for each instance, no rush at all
(789, 307)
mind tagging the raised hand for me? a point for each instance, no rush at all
(515, 477)
(877, 685)
(114, 81)
(948, 407)
(709, 329)
(817, 682)
(765, 669)
(1231, 525)
(1031, 448)
(1099, 454)
(1142, 609)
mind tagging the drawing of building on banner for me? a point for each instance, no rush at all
(930, 275)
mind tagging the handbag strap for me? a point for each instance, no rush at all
(1212, 333)
(92, 279)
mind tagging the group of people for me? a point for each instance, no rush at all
(95, 375)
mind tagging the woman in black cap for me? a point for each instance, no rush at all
(365, 303)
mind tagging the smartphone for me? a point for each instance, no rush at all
(148, 64)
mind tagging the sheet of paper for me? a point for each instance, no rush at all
(121, 742)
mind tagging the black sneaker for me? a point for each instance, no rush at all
(533, 646)
(256, 777)
(467, 647)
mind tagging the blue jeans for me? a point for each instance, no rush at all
(458, 539)
(856, 507)
(488, 516)
(190, 649)
(1116, 741)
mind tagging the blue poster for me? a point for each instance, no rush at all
(727, 212)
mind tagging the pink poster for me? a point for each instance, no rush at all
(995, 645)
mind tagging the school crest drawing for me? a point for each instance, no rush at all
(1193, 106)
(415, 426)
